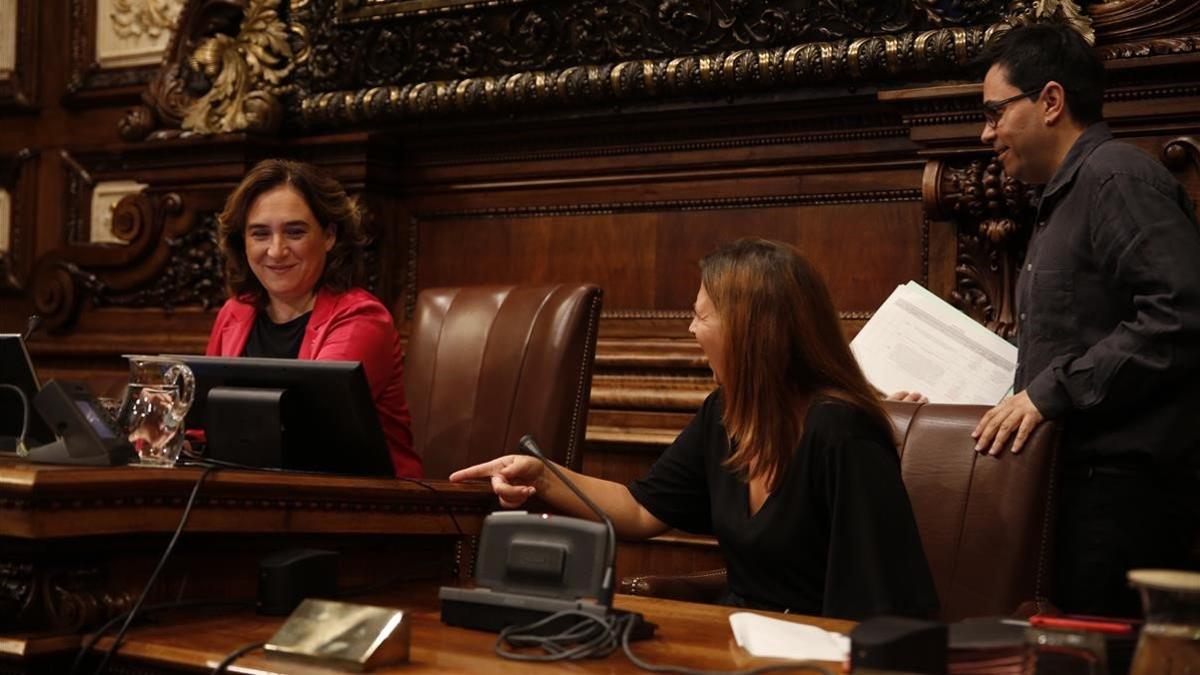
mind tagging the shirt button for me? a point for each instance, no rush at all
(1029, 267)
(1022, 317)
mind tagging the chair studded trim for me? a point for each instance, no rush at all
(583, 384)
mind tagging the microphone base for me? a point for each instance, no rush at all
(493, 611)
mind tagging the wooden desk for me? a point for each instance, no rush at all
(692, 635)
(78, 543)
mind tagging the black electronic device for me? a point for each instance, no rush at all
(889, 644)
(86, 435)
(288, 414)
(286, 578)
(16, 369)
(533, 565)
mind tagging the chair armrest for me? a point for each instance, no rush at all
(706, 586)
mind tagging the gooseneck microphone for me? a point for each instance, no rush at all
(31, 326)
(530, 447)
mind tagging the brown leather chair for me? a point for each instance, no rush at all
(986, 524)
(486, 365)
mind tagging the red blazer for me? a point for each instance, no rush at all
(350, 326)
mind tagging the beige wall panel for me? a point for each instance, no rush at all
(133, 32)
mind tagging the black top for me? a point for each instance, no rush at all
(270, 340)
(837, 536)
(1109, 307)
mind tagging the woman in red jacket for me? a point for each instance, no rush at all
(293, 246)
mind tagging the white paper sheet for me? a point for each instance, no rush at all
(779, 639)
(917, 342)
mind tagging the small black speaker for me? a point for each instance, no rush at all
(288, 577)
(898, 644)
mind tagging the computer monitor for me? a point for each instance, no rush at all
(16, 369)
(324, 409)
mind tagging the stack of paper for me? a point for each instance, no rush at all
(918, 342)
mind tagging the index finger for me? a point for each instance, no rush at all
(484, 470)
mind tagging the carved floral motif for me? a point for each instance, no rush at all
(246, 72)
(132, 19)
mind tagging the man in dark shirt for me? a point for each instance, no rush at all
(1108, 301)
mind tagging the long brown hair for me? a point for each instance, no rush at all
(783, 346)
(325, 196)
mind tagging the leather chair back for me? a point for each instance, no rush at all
(486, 365)
(986, 524)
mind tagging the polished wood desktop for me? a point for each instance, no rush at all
(78, 543)
(688, 634)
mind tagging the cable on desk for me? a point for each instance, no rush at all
(20, 446)
(593, 637)
(103, 630)
(234, 655)
(162, 562)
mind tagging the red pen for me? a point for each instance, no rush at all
(1099, 626)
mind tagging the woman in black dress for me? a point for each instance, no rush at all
(790, 463)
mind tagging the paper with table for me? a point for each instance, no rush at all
(916, 341)
(779, 639)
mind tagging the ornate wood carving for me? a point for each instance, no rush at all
(379, 43)
(160, 267)
(993, 214)
(193, 274)
(88, 83)
(1127, 20)
(224, 71)
(57, 597)
(1177, 151)
(19, 88)
(19, 178)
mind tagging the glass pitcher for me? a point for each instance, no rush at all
(1170, 640)
(158, 397)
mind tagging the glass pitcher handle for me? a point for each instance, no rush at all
(185, 381)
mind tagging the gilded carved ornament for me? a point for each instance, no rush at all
(248, 73)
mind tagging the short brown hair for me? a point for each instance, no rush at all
(325, 196)
(783, 345)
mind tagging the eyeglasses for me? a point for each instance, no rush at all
(994, 110)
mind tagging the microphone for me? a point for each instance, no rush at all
(530, 447)
(31, 326)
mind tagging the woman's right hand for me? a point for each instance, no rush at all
(515, 478)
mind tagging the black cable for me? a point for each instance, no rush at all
(596, 637)
(187, 511)
(234, 656)
(100, 632)
(20, 446)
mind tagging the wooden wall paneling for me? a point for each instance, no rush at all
(116, 80)
(19, 86)
(18, 177)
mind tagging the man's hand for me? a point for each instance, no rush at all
(1015, 413)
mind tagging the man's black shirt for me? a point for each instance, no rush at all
(1109, 307)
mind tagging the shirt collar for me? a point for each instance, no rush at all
(1089, 140)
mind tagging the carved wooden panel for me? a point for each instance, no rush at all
(115, 48)
(18, 179)
(19, 26)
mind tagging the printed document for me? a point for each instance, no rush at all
(918, 342)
